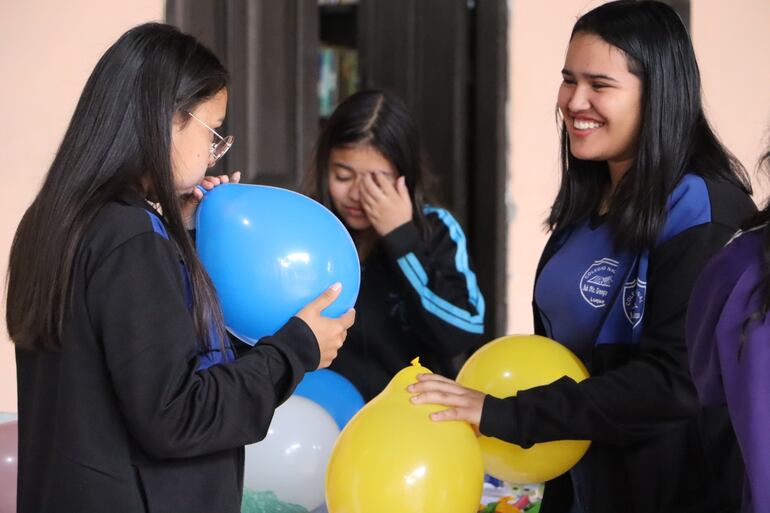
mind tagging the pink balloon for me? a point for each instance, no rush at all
(9, 444)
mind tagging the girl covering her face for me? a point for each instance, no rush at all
(419, 295)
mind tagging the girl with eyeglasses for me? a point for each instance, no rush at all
(728, 340)
(647, 196)
(130, 398)
(419, 295)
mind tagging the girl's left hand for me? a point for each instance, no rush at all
(387, 205)
(465, 403)
(191, 201)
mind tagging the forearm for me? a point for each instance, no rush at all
(440, 288)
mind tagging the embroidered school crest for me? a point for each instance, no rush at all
(634, 293)
(596, 282)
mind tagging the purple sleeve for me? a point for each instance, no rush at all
(725, 297)
(747, 382)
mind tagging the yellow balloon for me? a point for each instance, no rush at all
(503, 367)
(391, 458)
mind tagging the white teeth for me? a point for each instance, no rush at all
(582, 124)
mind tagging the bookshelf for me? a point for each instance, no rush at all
(338, 69)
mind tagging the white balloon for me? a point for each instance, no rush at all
(291, 460)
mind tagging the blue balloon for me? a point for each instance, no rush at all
(269, 252)
(333, 392)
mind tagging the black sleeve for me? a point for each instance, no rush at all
(649, 394)
(136, 302)
(439, 286)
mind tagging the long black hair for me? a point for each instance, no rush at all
(119, 138)
(381, 120)
(675, 137)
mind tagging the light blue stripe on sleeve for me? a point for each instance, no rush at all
(418, 278)
(428, 300)
(461, 258)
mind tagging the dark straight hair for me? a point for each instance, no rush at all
(675, 137)
(381, 120)
(118, 139)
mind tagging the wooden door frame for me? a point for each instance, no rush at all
(488, 160)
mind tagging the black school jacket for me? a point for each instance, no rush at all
(120, 419)
(418, 297)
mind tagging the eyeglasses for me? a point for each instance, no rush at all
(218, 148)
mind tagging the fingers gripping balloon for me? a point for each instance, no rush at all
(518, 362)
(269, 252)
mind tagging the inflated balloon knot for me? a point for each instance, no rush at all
(416, 361)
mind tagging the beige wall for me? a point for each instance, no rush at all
(538, 36)
(47, 50)
(732, 42)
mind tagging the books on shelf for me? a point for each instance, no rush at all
(337, 2)
(337, 76)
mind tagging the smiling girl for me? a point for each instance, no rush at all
(648, 195)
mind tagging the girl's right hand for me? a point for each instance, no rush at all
(386, 204)
(191, 201)
(330, 333)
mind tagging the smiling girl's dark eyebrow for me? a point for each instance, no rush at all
(592, 76)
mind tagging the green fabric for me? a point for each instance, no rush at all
(533, 508)
(267, 502)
